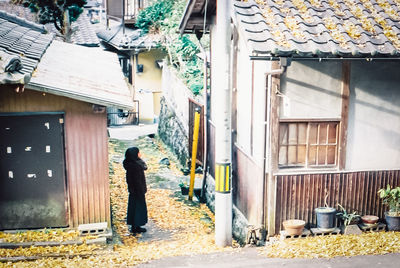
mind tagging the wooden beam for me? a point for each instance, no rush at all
(345, 93)
(273, 150)
(274, 131)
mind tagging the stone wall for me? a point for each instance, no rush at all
(239, 221)
(172, 132)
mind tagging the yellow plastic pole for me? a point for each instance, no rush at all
(194, 151)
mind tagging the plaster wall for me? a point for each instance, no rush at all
(249, 152)
(311, 89)
(244, 89)
(148, 84)
(374, 116)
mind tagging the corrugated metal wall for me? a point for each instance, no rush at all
(85, 148)
(299, 195)
(246, 178)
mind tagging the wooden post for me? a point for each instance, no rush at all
(345, 92)
(273, 150)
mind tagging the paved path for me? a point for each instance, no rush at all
(248, 257)
(131, 132)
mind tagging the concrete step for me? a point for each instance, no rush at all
(322, 232)
(93, 229)
(284, 235)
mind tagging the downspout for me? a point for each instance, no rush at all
(267, 129)
(205, 116)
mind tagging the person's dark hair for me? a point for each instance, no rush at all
(132, 154)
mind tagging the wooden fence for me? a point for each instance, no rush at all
(299, 195)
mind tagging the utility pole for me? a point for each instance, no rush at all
(223, 158)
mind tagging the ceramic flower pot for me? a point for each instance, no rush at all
(369, 219)
(294, 227)
(393, 222)
(326, 217)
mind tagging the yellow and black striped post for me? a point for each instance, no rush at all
(223, 183)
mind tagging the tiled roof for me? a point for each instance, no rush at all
(83, 34)
(193, 16)
(23, 38)
(320, 28)
(132, 38)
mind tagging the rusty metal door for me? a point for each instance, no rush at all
(32, 171)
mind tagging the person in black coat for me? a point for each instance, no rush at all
(136, 180)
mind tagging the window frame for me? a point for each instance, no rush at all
(307, 144)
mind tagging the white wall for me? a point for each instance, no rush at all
(244, 84)
(374, 116)
(311, 89)
(177, 95)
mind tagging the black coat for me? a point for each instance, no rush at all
(135, 177)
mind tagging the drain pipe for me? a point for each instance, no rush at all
(205, 114)
(284, 63)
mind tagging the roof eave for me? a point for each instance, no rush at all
(81, 97)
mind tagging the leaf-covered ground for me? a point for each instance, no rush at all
(188, 227)
(371, 243)
(176, 226)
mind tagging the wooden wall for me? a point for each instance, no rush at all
(298, 195)
(86, 151)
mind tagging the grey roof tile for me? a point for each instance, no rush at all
(24, 39)
(312, 36)
(132, 38)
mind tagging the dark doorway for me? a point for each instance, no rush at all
(32, 171)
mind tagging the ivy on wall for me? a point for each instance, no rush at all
(163, 18)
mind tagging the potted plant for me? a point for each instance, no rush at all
(369, 219)
(391, 197)
(184, 188)
(325, 216)
(348, 221)
(294, 227)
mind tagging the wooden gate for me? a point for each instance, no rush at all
(193, 105)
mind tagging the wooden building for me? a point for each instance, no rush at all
(53, 128)
(315, 105)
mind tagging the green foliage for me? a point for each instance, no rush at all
(52, 11)
(151, 18)
(346, 217)
(391, 197)
(163, 17)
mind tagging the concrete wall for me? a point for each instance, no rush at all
(148, 84)
(177, 96)
(311, 89)
(173, 126)
(374, 116)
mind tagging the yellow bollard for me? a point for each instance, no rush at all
(194, 151)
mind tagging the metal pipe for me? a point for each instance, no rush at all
(194, 151)
(275, 58)
(205, 118)
(267, 116)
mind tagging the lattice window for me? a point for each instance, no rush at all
(308, 144)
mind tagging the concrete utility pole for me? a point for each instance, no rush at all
(223, 159)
